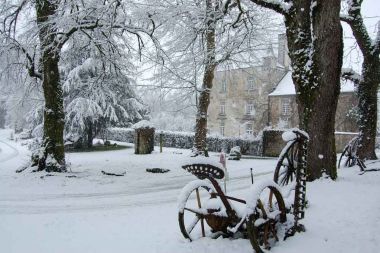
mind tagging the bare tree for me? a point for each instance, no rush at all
(315, 47)
(198, 37)
(208, 77)
(369, 80)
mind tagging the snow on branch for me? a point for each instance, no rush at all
(376, 42)
(355, 20)
(350, 74)
(275, 5)
(346, 18)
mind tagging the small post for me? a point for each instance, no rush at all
(161, 141)
(251, 176)
(222, 160)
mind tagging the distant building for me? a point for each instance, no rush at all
(244, 101)
(283, 111)
(239, 98)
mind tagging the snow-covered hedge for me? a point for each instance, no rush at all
(185, 140)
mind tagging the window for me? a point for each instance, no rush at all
(286, 109)
(221, 128)
(251, 83)
(223, 86)
(249, 129)
(249, 109)
(222, 108)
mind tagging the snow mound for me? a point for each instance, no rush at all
(291, 135)
(186, 191)
(143, 124)
(254, 192)
(203, 160)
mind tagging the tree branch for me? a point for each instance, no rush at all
(355, 20)
(350, 74)
(376, 43)
(31, 61)
(275, 5)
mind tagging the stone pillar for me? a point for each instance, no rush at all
(144, 138)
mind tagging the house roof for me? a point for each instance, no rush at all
(286, 86)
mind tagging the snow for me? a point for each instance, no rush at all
(253, 194)
(289, 136)
(214, 161)
(186, 191)
(138, 212)
(286, 86)
(143, 124)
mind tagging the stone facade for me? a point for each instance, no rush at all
(239, 99)
(244, 101)
(283, 112)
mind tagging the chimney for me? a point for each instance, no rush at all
(269, 60)
(283, 57)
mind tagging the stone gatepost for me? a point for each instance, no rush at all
(144, 137)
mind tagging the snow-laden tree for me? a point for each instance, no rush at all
(98, 95)
(39, 29)
(197, 37)
(173, 110)
(369, 80)
(315, 43)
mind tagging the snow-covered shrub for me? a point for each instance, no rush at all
(235, 153)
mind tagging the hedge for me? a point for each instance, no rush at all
(185, 140)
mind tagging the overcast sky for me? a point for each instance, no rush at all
(371, 14)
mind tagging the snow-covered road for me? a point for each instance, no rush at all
(93, 213)
(7, 151)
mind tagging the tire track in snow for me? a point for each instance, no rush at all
(161, 194)
(14, 153)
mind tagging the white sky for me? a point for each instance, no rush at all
(371, 14)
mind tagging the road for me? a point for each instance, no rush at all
(90, 196)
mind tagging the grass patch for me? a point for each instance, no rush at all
(98, 148)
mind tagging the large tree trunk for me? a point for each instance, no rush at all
(200, 144)
(52, 157)
(327, 60)
(367, 93)
(90, 134)
(316, 67)
(368, 83)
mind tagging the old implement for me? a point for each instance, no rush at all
(205, 210)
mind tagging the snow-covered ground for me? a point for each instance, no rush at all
(93, 212)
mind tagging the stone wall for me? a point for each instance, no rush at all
(273, 143)
(342, 139)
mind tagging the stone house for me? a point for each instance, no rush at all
(239, 98)
(244, 101)
(283, 108)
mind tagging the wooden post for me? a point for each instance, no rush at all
(161, 141)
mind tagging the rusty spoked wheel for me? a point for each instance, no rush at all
(263, 223)
(350, 151)
(285, 171)
(192, 209)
